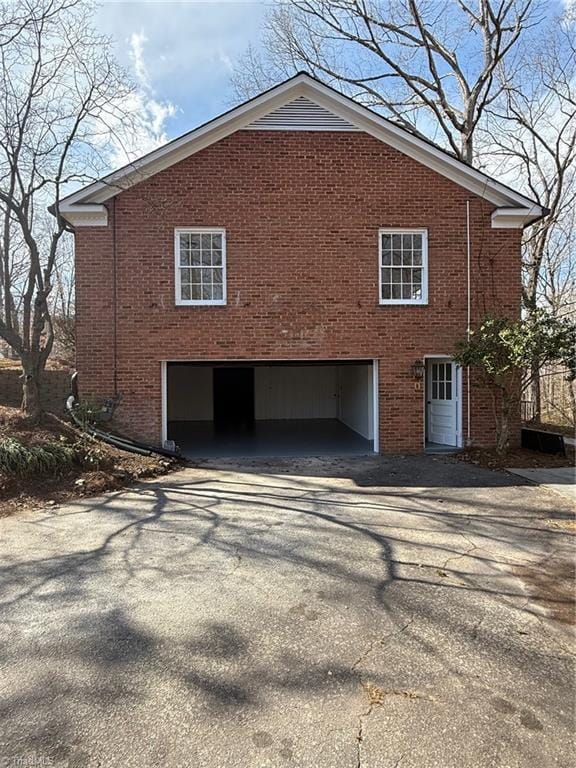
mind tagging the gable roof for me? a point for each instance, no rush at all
(300, 103)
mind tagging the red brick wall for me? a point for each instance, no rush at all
(302, 212)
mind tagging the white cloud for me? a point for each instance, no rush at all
(136, 54)
(146, 116)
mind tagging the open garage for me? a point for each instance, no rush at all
(271, 408)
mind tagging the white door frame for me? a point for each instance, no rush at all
(375, 392)
(457, 377)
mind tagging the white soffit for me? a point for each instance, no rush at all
(301, 115)
(298, 101)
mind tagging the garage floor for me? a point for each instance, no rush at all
(283, 437)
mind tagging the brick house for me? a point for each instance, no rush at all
(292, 277)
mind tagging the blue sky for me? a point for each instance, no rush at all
(182, 53)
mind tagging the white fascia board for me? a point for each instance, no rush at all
(85, 215)
(515, 218)
(303, 85)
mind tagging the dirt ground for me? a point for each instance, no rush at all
(109, 469)
(516, 457)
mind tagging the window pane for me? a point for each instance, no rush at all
(386, 242)
(206, 242)
(195, 257)
(217, 276)
(217, 291)
(406, 292)
(185, 276)
(416, 292)
(417, 257)
(397, 258)
(185, 292)
(196, 292)
(417, 276)
(386, 258)
(396, 275)
(407, 242)
(448, 391)
(448, 372)
(195, 276)
(406, 275)
(441, 390)
(217, 257)
(386, 291)
(397, 242)
(417, 242)
(206, 292)
(194, 241)
(185, 258)
(206, 258)
(396, 292)
(184, 241)
(206, 275)
(217, 241)
(386, 275)
(434, 390)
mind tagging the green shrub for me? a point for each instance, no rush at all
(88, 414)
(50, 458)
(89, 452)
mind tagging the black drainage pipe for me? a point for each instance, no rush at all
(119, 442)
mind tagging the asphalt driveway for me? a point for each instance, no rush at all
(309, 614)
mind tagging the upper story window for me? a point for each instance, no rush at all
(403, 266)
(200, 265)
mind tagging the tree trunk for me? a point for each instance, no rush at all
(572, 397)
(503, 430)
(31, 399)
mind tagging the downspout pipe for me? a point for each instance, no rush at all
(468, 322)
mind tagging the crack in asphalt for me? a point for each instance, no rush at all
(380, 642)
(375, 700)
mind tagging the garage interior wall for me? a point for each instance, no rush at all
(355, 404)
(296, 392)
(190, 395)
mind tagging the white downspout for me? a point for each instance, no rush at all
(468, 321)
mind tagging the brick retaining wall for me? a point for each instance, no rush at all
(55, 390)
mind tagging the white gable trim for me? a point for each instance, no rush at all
(272, 101)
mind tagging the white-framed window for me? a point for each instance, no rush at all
(200, 265)
(403, 266)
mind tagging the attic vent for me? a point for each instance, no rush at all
(301, 115)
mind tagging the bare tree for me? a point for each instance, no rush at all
(430, 65)
(532, 130)
(62, 303)
(60, 93)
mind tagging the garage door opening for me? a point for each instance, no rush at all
(270, 409)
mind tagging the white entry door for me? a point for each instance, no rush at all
(442, 402)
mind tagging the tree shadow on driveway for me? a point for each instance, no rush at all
(217, 598)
